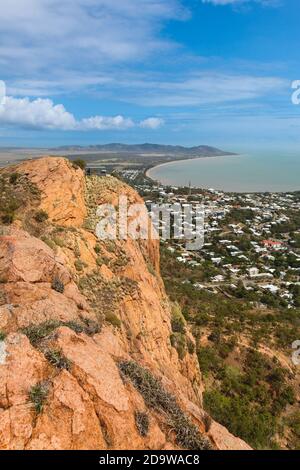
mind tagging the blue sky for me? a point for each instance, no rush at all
(188, 72)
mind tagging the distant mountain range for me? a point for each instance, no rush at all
(154, 149)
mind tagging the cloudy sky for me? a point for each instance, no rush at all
(188, 72)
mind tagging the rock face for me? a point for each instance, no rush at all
(71, 309)
(62, 190)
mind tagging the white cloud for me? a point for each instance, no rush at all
(94, 47)
(102, 123)
(44, 114)
(152, 123)
(38, 114)
(81, 34)
(204, 88)
(66, 83)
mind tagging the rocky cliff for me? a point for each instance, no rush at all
(86, 360)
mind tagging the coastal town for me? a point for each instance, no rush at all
(251, 241)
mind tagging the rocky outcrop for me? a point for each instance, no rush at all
(61, 187)
(72, 308)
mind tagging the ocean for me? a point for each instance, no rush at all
(260, 172)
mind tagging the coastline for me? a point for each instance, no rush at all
(165, 182)
(181, 161)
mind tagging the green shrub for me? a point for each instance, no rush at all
(74, 326)
(156, 397)
(215, 335)
(79, 163)
(91, 327)
(256, 427)
(120, 262)
(99, 261)
(225, 348)
(14, 178)
(57, 359)
(3, 297)
(202, 319)
(113, 319)
(49, 242)
(190, 346)
(13, 204)
(110, 245)
(294, 422)
(128, 286)
(208, 360)
(41, 216)
(142, 423)
(151, 269)
(8, 218)
(79, 265)
(38, 395)
(59, 242)
(177, 319)
(58, 285)
(36, 333)
(178, 341)
(207, 420)
(2, 336)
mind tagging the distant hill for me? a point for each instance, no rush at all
(201, 150)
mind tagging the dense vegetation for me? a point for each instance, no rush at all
(248, 400)
(248, 392)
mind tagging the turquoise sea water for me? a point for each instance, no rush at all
(241, 173)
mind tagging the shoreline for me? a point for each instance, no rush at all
(147, 175)
(187, 160)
